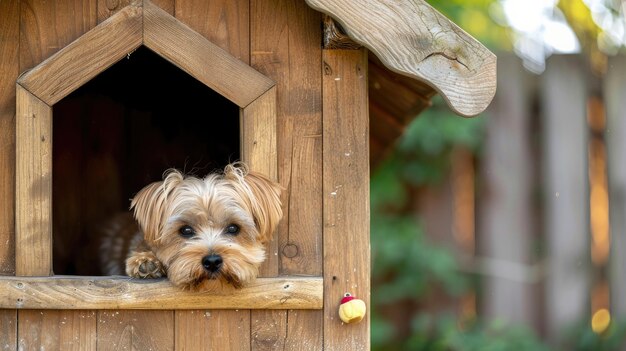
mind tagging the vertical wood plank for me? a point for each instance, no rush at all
(9, 70)
(506, 217)
(8, 330)
(213, 330)
(46, 27)
(346, 194)
(33, 206)
(615, 99)
(566, 198)
(135, 330)
(287, 49)
(57, 330)
(226, 24)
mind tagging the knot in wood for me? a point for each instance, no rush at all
(290, 250)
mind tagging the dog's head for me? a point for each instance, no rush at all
(211, 231)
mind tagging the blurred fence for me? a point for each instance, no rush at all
(541, 217)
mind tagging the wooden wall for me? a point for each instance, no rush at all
(322, 163)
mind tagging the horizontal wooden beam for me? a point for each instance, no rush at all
(63, 292)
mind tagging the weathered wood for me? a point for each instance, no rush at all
(191, 52)
(107, 8)
(9, 70)
(566, 198)
(84, 58)
(57, 330)
(226, 23)
(135, 330)
(506, 208)
(258, 150)
(346, 194)
(414, 39)
(124, 293)
(225, 330)
(287, 50)
(33, 204)
(615, 98)
(47, 26)
(8, 329)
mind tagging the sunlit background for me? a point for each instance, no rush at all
(506, 231)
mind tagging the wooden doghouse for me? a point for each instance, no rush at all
(299, 99)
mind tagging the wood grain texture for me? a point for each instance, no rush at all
(226, 23)
(566, 200)
(85, 57)
(57, 330)
(45, 28)
(125, 293)
(9, 70)
(135, 330)
(224, 330)
(287, 50)
(202, 59)
(414, 39)
(107, 8)
(346, 194)
(8, 330)
(33, 205)
(48, 26)
(258, 150)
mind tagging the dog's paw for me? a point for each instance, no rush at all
(144, 265)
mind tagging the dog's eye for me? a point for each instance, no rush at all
(186, 231)
(232, 229)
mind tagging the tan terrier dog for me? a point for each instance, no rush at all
(200, 233)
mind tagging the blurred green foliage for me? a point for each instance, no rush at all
(407, 268)
(408, 271)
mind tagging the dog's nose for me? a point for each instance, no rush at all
(212, 263)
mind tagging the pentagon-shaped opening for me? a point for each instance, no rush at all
(120, 132)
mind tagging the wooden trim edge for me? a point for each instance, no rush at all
(72, 293)
(87, 56)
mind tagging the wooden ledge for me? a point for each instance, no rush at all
(72, 293)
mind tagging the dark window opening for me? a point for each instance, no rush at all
(120, 132)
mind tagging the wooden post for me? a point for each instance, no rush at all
(565, 195)
(346, 194)
(46, 28)
(507, 224)
(9, 70)
(287, 50)
(615, 102)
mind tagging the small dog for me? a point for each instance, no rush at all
(200, 233)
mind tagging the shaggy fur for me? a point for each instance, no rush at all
(184, 222)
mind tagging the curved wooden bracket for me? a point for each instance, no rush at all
(413, 39)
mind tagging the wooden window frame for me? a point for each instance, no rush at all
(140, 23)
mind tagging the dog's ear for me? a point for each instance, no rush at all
(262, 195)
(150, 205)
